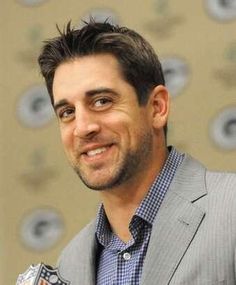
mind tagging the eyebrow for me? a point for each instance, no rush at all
(60, 104)
(90, 93)
(100, 90)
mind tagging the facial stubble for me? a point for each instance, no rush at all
(131, 164)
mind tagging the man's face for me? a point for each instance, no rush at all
(107, 136)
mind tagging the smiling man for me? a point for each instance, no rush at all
(107, 136)
(164, 219)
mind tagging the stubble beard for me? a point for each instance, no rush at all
(132, 163)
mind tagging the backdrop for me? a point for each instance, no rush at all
(43, 203)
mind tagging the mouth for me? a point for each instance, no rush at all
(96, 152)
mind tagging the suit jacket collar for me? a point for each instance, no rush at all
(176, 223)
(77, 262)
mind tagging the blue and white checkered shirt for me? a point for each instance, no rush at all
(121, 263)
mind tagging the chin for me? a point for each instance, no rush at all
(100, 185)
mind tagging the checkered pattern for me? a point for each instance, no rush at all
(120, 263)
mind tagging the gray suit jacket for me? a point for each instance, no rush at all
(193, 239)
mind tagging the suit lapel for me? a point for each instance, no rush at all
(176, 224)
(77, 263)
(90, 266)
(89, 259)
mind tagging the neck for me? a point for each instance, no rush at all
(121, 203)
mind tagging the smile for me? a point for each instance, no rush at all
(96, 151)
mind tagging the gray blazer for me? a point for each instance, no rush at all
(193, 239)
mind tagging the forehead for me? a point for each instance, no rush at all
(82, 72)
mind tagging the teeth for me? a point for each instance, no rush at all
(96, 151)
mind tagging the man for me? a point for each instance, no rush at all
(164, 218)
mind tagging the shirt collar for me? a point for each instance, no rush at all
(103, 229)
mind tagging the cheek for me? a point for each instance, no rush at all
(139, 131)
(129, 132)
(66, 137)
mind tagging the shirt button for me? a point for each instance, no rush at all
(126, 256)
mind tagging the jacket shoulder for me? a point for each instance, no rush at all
(221, 180)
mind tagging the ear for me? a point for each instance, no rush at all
(160, 104)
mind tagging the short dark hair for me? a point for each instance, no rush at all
(139, 64)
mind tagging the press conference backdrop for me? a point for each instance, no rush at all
(42, 202)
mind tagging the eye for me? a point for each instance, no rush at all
(102, 103)
(66, 114)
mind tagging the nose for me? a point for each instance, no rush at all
(86, 124)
